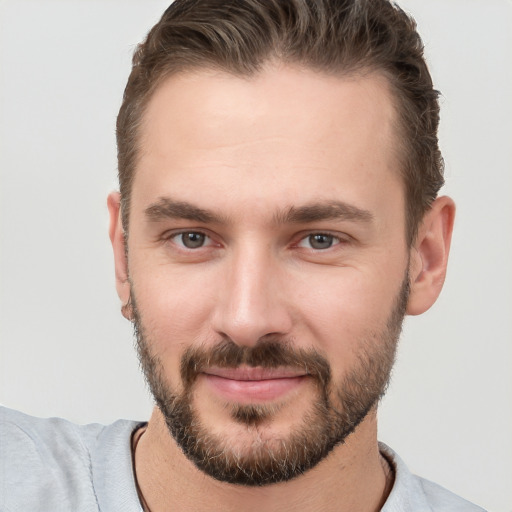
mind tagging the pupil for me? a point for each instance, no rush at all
(320, 241)
(193, 240)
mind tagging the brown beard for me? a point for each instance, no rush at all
(335, 413)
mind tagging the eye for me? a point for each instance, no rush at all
(319, 241)
(191, 239)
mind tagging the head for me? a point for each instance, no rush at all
(279, 168)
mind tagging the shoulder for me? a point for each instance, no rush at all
(442, 499)
(48, 464)
(411, 492)
(48, 435)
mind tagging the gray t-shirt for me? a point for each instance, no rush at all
(52, 465)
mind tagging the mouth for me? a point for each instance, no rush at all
(253, 385)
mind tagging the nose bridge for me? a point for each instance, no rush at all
(250, 306)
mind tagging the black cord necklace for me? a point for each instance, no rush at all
(137, 434)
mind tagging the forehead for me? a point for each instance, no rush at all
(298, 131)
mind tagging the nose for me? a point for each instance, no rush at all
(252, 303)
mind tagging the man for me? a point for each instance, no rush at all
(278, 215)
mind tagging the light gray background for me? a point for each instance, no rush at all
(64, 348)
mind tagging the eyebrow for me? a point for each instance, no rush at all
(167, 208)
(331, 210)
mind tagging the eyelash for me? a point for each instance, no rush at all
(172, 237)
(335, 240)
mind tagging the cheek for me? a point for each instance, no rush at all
(345, 309)
(174, 307)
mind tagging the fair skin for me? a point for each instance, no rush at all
(248, 151)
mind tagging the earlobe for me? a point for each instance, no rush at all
(117, 238)
(429, 255)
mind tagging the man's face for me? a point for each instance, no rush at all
(268, 264)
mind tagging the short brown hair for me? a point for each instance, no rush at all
(332, 36)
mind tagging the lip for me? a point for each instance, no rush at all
(247, 373)
(253, 385)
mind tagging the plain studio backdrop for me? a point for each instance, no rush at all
(66, 351)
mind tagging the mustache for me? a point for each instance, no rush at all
(268, 353)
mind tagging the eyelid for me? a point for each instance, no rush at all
(171, 235)
(339, 238)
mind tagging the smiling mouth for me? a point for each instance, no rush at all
(253, 385)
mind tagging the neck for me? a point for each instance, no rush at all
(354, 477)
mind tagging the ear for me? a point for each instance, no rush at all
(429, 255)
(118, 240)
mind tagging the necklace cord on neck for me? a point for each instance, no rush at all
(136, 435)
